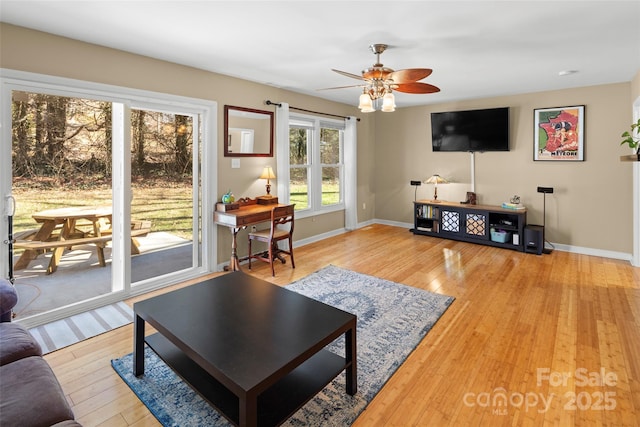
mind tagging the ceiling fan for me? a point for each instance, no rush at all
(379, 82)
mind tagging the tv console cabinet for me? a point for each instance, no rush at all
(483, 224)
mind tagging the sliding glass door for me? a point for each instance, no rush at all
(165, 189)
(61, 183)
(107, 196)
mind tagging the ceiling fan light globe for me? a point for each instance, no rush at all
(365, 105)
(388, 103)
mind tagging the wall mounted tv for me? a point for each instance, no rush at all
(471, 130)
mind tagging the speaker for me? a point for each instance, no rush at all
(545, 190)
(534, 239)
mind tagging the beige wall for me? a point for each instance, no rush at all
(590, 208)
(37, 52)
(635, 86)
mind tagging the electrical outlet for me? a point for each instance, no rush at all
(364, 206)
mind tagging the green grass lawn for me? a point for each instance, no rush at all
(300, 196)
(166, 205)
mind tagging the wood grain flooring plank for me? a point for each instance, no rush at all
(519, 322)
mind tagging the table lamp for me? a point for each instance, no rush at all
(435, 180)
(268, 174)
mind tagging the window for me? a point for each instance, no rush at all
(316, 164)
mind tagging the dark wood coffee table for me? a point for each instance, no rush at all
(254, 350)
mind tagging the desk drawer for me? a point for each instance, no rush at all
(254, 218)
(231, 220)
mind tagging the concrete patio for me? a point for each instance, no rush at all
(79, 276)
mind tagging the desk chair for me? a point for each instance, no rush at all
(280, 216)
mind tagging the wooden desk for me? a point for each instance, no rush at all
(248, 214)
(66, 220)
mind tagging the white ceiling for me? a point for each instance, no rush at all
(476, 49)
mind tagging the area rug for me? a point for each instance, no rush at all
(65, 332)
(392, 320)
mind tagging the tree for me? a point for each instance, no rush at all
(297, 146)
(56, 127)
(138, 138)
(71, 138)
(21, 124)
(182, 138)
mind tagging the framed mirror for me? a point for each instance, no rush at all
(247, 132)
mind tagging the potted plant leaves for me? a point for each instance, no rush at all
(632, 139)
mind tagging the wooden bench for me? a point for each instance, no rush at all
(99, 241)
(138, 229)
(30, 234)
(25, 234)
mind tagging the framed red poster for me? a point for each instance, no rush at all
(559, 134)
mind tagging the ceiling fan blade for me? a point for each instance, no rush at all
(410, 75)
(340, 87)
(415, 87)
(344, 73)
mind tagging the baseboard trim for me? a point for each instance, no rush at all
(593, 252)
(559, 247)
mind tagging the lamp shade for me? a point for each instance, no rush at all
(267, 173)
(366, 105)
(388, 103)
(436, 179)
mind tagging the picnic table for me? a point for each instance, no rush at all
(64, 228)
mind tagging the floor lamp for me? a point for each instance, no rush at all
(545, 191)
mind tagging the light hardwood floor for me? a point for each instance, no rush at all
(538, 330)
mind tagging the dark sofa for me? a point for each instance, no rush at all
(30, 395)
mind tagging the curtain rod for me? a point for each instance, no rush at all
(309, 111)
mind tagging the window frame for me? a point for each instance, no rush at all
(314, 167)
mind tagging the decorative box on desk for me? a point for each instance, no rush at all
(226, 207)
(267, 200)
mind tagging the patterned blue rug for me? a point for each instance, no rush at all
(392, 320)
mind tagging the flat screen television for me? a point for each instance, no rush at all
(471, 130)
